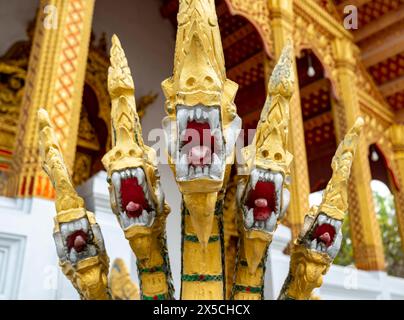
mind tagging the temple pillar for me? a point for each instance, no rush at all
(397, 139)
(365, 231)
(281, 16)
(55, 82)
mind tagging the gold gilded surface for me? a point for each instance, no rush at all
(121, 284)
(201, 290)
(197, 261)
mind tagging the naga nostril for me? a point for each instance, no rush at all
(208, 80)
(191, 82)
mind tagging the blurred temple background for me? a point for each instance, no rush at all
(349, 62)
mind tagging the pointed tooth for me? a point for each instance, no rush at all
(92, 251)
(321, 219)
(127, 221)
(240, 191)
(278, 201)
(285, 201)
(217, 135)
(215, 168)
(335, 247)
(206, 170)
(183, 136)
(205, 115)
(213, 119)
(140, 176)
(145, 217)
(337, 224)
(64, 229)
(70, 226)
(198, 170)
(231, 134)
(123, 175)
(182, 118)
(84, 225)
(182, 167)
(254, 178)
(133, 173)
(116, 180)
(271, 223)
(151, 217)
(77, 225)
(278, 179)
(146, 193)
(73, 256)
(249, 218)
(191, 171)
(211, 123)
(313, 244)
(128, 173)
(191, 114)
(267, 176)
(123, 219)
(198, 113)
(318, 247)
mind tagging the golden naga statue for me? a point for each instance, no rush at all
(201, 128)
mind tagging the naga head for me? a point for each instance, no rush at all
(321, 231)
(78, 238)
(202, 124)
(134, 183)
(264, 171)
(320, 239)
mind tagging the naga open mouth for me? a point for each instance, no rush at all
(76, 240)
(262, 201)
(200, 141)
(133, 198)
(325, 235)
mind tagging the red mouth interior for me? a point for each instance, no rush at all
(77, 240)
(200, 150)
(133, 198)
(262, 199)
(324, 233)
